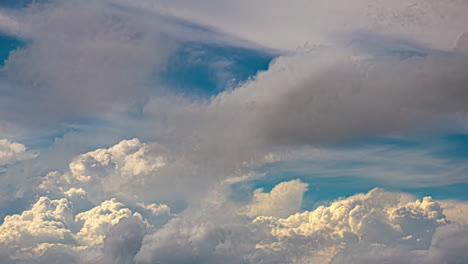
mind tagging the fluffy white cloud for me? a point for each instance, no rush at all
(50, 232)
(48, 221)
(364, 228)
(98, 221)
(282, 201)
(116, 170)
(375, 218)
(11, 152)
(394, 226)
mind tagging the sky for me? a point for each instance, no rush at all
(237, 132)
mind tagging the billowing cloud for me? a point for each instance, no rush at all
(374, 218)
(48, 221)
(116, 170)
(368, 222)
(51, 232)
(368, 227)
(98, 221)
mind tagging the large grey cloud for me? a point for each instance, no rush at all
(319, 96)
(84, 58)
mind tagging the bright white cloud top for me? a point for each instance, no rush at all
(103, 160)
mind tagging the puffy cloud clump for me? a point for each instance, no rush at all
(377, 217)
(374, 227)
(395, 223)
(283, 200)
(51, 232)
(48, 221)
(114, 170)
(98, 221)
(11, 152)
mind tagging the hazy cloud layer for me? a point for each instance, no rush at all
(286, 25)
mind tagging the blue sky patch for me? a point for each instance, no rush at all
(203, 70)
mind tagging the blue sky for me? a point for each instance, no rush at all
(233, 131)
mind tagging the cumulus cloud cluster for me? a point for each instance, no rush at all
(270, 228)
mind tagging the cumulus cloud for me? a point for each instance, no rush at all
(123, 167)
(282, 201)
(47, 222)
(98, 221)
(141, 172)
(392, 225)
(51, 233)
(375, 218)
(11, 152)
(364, 228)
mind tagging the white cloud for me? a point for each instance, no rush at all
(392, 225)
(48, 221)
(118, 170)
(11, 152)
(98, 221)
(283, 200)
(375, 218)
(370, 227)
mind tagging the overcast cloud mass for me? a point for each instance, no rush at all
(234, 132)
